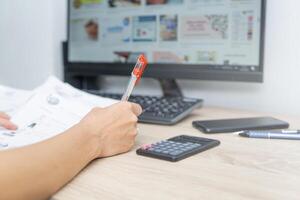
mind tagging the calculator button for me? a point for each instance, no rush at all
(175, 153)
(184, 149)
(146, 146)
(189, 147)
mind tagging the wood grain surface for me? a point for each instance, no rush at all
(240, 168)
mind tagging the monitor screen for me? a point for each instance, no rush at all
(219, 34)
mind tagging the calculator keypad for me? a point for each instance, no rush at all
(177, 148)
(171, 148)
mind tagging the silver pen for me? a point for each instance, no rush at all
(288, 135)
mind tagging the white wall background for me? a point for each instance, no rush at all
(30, 35)
(31, 32)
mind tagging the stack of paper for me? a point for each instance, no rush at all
(12, 99)
(44, 112)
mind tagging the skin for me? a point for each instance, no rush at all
(4, 122)
(38, 171)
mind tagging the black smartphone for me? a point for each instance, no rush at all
(240, 124)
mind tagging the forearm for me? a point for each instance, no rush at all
(38, 171)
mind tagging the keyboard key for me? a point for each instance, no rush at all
(159, 110)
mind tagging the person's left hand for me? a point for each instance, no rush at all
(6, 123)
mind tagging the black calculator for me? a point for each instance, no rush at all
(177, 148)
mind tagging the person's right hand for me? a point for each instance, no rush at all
(6, 123)
(115, 127)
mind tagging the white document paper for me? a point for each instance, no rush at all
(12, 99)
(51, 109)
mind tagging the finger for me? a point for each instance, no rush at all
(131, 136)
(4, 116)
(136, 109)
(8, 124)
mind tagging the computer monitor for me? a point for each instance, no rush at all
(182, 39)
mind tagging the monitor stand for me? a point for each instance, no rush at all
(82, 82)
(170, 88)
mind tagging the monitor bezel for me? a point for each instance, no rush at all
(170, 71)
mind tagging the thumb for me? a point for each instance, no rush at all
(136, 109)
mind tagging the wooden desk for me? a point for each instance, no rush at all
(240, 168)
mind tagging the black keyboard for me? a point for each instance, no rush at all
(160, 110)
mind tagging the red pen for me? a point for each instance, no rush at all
(136, 76)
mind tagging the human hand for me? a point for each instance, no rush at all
(6, 123)
(115, 127)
